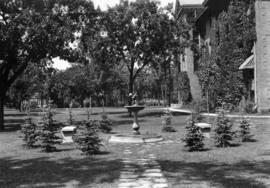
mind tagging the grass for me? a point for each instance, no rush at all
(247, 165)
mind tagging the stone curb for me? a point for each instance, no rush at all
(214, 115)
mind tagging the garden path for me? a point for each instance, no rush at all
(143, 172)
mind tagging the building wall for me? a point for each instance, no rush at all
(262, 55)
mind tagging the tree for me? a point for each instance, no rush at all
(173, 37)
(29, 131)
(245, 133)
(87, 139)
(223, 130)
(48, 132)
(131, 34)
(20, 90)
(193, 137)
(33, 32)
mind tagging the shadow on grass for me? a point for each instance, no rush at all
(151, 114)
(15, 115)
(200, 151)
(43, 172)
(244, 174)
(14, 121)
(11, 127)
(143, 114)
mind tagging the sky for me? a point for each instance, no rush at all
(103, 4)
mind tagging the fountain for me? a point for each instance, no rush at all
(136, 137)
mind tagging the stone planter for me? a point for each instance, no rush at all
(205, 129)
(67, 133)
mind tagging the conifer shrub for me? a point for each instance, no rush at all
(105, 123)
(48, 130)
(88, 114)
(245, 133)
(86, 138)
(223, 130)
(70, 116)
(166, 121)
(29, 130)
(193, 137)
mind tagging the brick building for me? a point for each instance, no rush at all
(262, 55)
(258, 64)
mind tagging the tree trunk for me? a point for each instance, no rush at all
(163, 94)
(170, 89)
(130, 88)
(179, 99)
(2, 125)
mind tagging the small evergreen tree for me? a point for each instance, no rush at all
(245, 133)
(167, 121)
(29, 131)
(194, 137)
(105, 123)
(87, 138)
(48, 130)
(88, 114)
(223, 130)
(70, 116)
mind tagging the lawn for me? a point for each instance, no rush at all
(246, 165)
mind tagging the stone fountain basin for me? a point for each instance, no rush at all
(135, 108)
(131, 138)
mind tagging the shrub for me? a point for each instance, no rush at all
(33, 104)
(87, 139)
(197, 116)
(47, 133)
(29, 131)
(88, 113)
(184, 87)
(245, 133)
(105, 123)
(223, 130)
(167, 121)
(194, 137)
(70, 116)
(250, 107)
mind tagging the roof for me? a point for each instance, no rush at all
(188, 7)
(205, 2)
(248, 64)
(211, 8)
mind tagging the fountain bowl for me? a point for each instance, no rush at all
(135, 108)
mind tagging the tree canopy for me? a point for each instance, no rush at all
(133, 35)
(34, 32)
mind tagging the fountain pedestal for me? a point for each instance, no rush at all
(135, 110)
(136, 137)
(136, 125)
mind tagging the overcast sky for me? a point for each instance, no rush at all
(103, 4)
